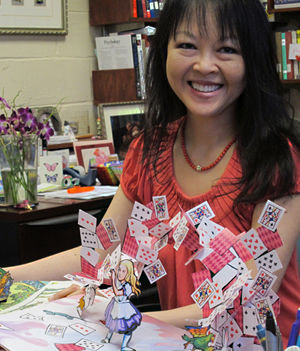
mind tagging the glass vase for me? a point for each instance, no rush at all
(18, 166)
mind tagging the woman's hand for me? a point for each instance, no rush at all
(74, 289)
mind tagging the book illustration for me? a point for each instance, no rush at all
(56, 326)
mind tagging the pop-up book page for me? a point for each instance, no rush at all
(56, 326)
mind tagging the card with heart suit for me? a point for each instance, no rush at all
(146, 255)
(175, 220)
(136, 228)
(89, 255)
(87, 221)
(141, 212)
(161, 207)
(253, 243)
(271, 215)
(160, 230)
(203, 293)
(263, 282)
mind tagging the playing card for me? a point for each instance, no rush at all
(146, 255)
(247, 291)
(269, 261)
(263, 306)
(234, 331)
(203, 293)
(160, 207)
(87, 221)
(55, 330)
(160, 230)
(136, 228)
(90, 239)
(141, 212)
(199, 212)
(271, 215)
(243, 343)
(217, 297)
(161, 243)
(263, 282)
(199, 277)
(225, 275)
(81, 328)
(180, 227)
(89, 345)
(155, 271)
(115, 257)
(209, 228)
(223, 241)
(89, 255)
(250, 321)
(144, 240)
(180, 238)
(109, 293)
(216, 262)
(111, 229)
(253, 243)
(175, 220)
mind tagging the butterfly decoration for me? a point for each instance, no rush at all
(51, 168)
(50, 178)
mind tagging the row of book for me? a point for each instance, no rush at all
(288, 54)
(147, 8)
(285, 4)
(126, 51)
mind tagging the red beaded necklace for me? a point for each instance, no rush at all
(199, 168)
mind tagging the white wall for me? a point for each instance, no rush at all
(47, 68)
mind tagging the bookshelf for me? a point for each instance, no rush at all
(272, 10)
(114, 85)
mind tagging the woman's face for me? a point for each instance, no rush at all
(207, 74)
(122, 272)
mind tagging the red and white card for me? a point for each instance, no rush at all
(146, 255)
(136, 228)
(87, 221)
(89, 255)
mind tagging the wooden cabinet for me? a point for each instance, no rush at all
(272, 10)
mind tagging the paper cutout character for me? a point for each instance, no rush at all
(200, 338)
(88, 298)
(121, 316)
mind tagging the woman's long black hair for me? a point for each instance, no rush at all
(263, 120)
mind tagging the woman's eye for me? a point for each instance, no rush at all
(228, 50)
(186, 46)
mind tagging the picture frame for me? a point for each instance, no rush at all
(42, 113)
(34, 17)
(84, 149)
(115, 120)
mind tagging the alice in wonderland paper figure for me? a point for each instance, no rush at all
(121, 316)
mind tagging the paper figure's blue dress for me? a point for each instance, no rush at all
(121, 315)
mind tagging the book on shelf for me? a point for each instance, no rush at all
(289, 62)
(279, 53)
(141, 50)
(114, 52)
(283, 51)
(136, 66)
(134, 8)
(295, 62)
(284, 4)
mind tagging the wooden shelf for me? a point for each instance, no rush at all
(272, 10)
(104, 12)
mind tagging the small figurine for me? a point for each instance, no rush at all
(121, 316)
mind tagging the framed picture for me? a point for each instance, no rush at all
(42, 113)
(33, 17)
(97, 151)
(120, 122)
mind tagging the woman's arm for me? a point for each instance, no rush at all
(288, 229)
(56, 266)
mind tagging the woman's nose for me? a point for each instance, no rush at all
(205, 64)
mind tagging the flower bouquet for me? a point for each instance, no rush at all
(19, 133)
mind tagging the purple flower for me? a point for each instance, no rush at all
(29, 122)
(4, 102)
(45, 131)
(4, 125)
(14, 121)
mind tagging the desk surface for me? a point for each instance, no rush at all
(48, 208)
